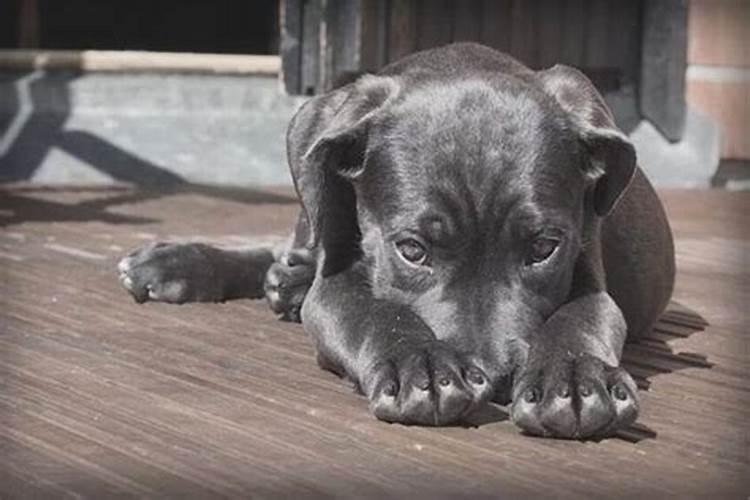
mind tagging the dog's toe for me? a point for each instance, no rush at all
(623, 393)
(525, 412)
(384, 400)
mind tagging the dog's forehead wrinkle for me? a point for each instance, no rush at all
(467, 148)
(450, 160)
(470, 117)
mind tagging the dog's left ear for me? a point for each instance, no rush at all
(336, 157)
(612, 158)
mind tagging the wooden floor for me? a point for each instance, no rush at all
(101, 397)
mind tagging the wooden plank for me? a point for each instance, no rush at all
(103, 397)
(435, 23)
(550, 31)
(573, 43)
(612, 43)
(497, 26)
(663, 63)
(402, 37)
(625, 40)
(375, 32)
(597, 49)
(28, 24)
(312, 59)
(524, 43)
(343, 39)
(18, 478)
(468, 21)
(290, 20)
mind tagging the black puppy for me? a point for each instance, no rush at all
(471, 229)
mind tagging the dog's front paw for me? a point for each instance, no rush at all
(573, 396)
(173, 273)
(287, 282)
(428, 384)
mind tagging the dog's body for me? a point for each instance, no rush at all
(471, 229)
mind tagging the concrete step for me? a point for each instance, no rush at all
(60, 126)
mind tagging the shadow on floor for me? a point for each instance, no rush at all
(19, 204)
(652, 355)
(17, 209)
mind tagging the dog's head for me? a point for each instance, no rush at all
(470, 200)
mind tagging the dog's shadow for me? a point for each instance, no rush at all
(644, 358)
(653, 354)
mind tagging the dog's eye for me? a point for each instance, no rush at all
(541, 249)
(412, 251)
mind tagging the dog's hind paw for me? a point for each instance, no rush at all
(573, 397)
(428, 384)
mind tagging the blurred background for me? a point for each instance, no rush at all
(172, 91)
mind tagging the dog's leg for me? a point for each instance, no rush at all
(194, 272)
(408, 375)
(571, 385)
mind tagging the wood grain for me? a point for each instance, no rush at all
(101, 397)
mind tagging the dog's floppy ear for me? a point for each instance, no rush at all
(611, 156)
(335, 155)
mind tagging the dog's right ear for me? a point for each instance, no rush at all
(336, 155)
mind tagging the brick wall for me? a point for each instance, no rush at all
(718, 77)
